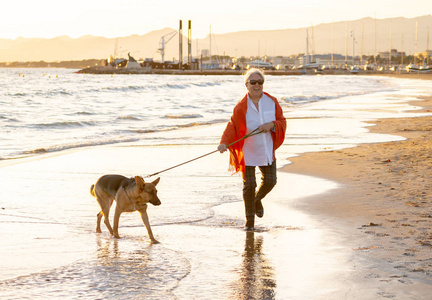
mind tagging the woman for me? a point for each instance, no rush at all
(256, 110)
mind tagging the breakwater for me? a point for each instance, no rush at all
(110, 70)
(130, 71)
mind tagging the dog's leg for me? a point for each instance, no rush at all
(105, 201)
(146, 222)
(116, 222)
(99, 217)
(101, 204)
(105, 211)
(107, 222)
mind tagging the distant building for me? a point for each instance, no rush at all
(394, 53)
(285, 62)
(205, 53)
(325, 59)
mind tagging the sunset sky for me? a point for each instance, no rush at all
(116, 18)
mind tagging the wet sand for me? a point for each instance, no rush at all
(385, 196)
(50, 248)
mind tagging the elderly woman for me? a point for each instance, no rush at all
(259, 110)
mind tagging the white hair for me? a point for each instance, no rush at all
(252, 71)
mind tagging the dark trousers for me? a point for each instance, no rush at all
(268, 181)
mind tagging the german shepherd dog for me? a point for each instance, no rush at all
(131, 194)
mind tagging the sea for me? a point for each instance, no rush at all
(61, 130)
(52, 110)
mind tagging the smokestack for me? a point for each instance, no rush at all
(180, 45)
(189, 43)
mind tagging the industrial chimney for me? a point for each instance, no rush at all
(180, 45)
(190, 43)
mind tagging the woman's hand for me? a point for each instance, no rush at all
(266, 127)
(222, 148)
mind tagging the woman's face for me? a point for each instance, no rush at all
(256, 90)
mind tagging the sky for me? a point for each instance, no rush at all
(118, 18)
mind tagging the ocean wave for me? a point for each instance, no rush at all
(164, 128)
(51, 93)
(206, 84)
(175, 86)
(57, 148)
(8, 119)
(155, 87)
(65, 124)
(138, 88)
(84, 113)
(16, 95)
(31, 94)
(183, 116)
(303, 99)
(187, 85)
(128, 118)
(219, 110)
(126, 88)
(122, 136)
(60, 92)
(194, 124)
(143, 130)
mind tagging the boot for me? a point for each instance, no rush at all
(250, 223)
(259, 209)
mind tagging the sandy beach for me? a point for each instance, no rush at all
(385, 196)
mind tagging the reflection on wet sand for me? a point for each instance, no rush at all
(257, 276)
(107, 249)
(118, 269)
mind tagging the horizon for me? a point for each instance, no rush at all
(48, 19)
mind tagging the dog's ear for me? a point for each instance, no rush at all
(139, 182)
(156, 181)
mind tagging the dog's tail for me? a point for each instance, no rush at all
(92, 190)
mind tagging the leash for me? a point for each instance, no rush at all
(252, 133)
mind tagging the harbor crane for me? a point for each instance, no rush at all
(162, 43)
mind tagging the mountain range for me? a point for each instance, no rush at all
(404, 34)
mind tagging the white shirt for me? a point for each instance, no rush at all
(258, 149)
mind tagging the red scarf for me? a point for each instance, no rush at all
(236, 129)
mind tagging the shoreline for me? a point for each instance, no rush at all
(384, 195)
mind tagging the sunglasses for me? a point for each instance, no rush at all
(253, 82)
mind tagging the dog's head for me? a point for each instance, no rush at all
(148, 191)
